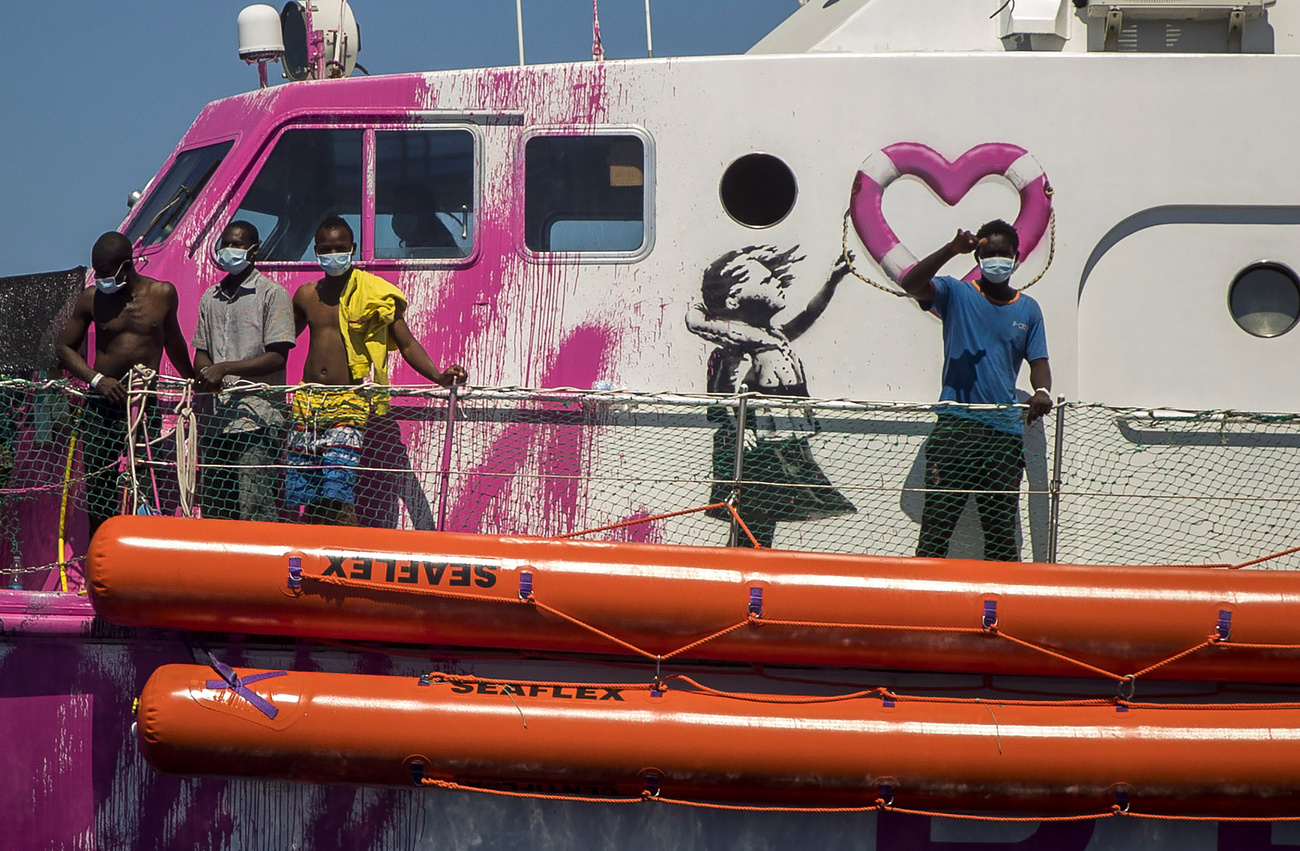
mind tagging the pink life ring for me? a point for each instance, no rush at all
(950, 181)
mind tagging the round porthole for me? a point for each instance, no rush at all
(758, 190)
(1264, 299)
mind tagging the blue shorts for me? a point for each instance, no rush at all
(329, 475)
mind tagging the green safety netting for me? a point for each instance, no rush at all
(1086, 484)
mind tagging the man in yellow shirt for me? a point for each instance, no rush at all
(355, 319)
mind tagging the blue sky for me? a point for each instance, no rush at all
(99, 93)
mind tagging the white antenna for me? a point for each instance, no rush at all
(519, 25)
(597, 49)
(649, 42)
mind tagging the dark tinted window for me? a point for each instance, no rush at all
(424, 193)
(758, 190)
(1265, 299)
(311, 174)
(584, 193)
(166, 205)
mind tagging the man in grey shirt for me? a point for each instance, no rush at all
(245, 331)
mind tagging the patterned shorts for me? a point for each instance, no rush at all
(325, 447)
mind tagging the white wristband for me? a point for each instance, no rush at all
(1038, 390)
(94, 382)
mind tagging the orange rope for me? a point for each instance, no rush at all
(1263, 646)
(1114, 811)
(750, 808)
(577, 622)
(718, 634)
(878, 693)
(1199, 706)
(1265, 558)
(448, 784)
(667, 515)
(1235, 819)
(878, 805)
(776, 698)
(439, 676)
(638, 520)
(1056, 655)
(830, 625)
(743, 526)
(997, 701)
(1189, 651)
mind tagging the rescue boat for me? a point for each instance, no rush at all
(612, 741)
(661, 602)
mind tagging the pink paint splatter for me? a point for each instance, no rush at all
(489, 502)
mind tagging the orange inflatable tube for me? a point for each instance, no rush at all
(807, 608)
(618, 741)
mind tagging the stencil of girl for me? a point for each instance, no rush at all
(742, 291)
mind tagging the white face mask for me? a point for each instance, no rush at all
(111, 284)
(334, 264)
(996, 270)
(233, 260)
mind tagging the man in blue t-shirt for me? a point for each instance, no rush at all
(988, 329)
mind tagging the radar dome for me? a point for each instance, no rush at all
(259, 33)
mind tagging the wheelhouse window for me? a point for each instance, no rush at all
(167, 204)
(311, 174)
(585, 193)
(424, 194)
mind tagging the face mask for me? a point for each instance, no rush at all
(110, 284)
(232, 260)
(334, 264)
(997, 269)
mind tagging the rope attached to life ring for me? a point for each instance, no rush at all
(1051, 251)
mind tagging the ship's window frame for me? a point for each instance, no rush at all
(156, 185)
(365, 236)
(476, 193)
(250, 178)
(590, 256)
(1271, 266)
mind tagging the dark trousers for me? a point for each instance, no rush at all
(241, 475)
(964, 456)
(103, 441)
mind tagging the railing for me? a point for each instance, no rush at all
(1102, 484)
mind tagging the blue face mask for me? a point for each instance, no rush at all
(996, 270)
(110, 284)
(232, 260)
(334, 264)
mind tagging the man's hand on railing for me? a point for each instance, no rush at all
(210, 377)
(111, 389)
(454, 374)
(1039, 404)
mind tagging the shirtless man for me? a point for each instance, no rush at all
(135, 321)
(328, 426)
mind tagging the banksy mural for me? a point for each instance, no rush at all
(741, 294)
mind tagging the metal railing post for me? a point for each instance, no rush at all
(1054, 517)
(737, 471)
(448, 437)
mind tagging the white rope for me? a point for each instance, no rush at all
(1051, 250)
(137, 389)
(187, 449)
